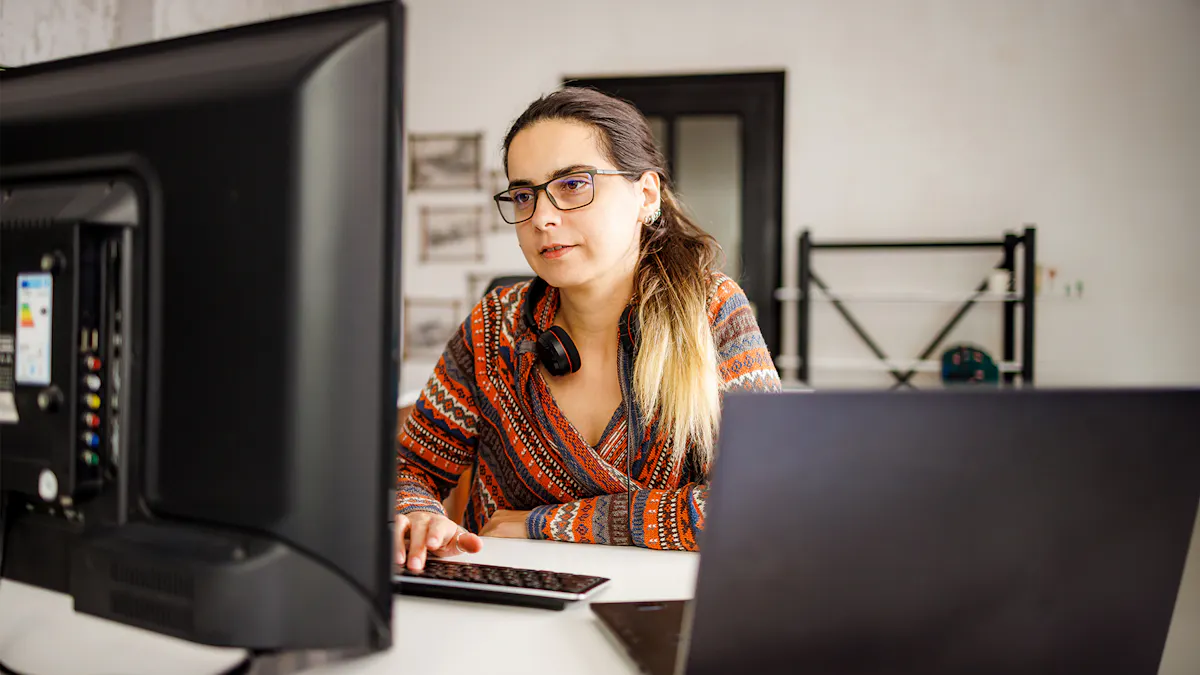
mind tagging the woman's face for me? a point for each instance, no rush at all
(597, 243)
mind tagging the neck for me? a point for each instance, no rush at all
(590, 313)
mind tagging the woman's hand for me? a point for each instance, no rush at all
(507, 525)
(419, 533)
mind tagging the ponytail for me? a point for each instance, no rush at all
(677, 370)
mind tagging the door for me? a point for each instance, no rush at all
(723, 139)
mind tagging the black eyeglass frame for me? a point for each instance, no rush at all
(542, 188)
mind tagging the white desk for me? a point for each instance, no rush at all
(39, 632)
(435, 636)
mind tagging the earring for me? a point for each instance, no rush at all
(653, 218)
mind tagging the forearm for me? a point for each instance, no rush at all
(415, 492)
(436, 441)
(659, 519)
(428, 466)
(431, 454)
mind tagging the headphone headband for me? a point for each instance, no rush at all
(537, 289)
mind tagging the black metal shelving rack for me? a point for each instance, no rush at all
(1025, 242)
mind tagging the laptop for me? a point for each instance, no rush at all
(980, 531)
(649, 632)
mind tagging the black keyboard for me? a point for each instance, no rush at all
(495, 584)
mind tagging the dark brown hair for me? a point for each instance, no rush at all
(676, 372)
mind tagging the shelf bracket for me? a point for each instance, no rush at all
(856, 327)
(902, 379)
(941, 336)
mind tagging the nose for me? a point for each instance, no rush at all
(544, 212)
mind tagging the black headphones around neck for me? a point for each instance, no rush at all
(554, 347)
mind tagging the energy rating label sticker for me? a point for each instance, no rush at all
(35, 298)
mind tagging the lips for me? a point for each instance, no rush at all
(555, 250)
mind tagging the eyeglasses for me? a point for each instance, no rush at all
(573, 191)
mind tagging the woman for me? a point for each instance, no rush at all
(532, 392)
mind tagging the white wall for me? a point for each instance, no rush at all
(924, 118)
(33, 31)
(42, 30)
(173, 18)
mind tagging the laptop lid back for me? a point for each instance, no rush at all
(945, 532)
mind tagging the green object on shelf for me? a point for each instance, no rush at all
(968, 364)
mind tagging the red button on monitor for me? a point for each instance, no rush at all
(92, 363)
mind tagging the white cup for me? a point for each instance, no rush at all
(998, 282)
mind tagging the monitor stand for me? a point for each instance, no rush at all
(40, 632)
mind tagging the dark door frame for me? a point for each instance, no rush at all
(758, 98)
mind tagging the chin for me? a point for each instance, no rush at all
(563, 276)
(557, 278)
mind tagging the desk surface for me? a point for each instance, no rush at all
(431, 635)
(440, 636)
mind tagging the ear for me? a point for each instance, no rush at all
(650, 187)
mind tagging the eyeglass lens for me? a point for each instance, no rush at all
(569, 192)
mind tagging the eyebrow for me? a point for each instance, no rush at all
(566, 170)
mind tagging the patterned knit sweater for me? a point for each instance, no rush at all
(488, 408)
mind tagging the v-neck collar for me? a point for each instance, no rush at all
(614, 422)
(536, 385)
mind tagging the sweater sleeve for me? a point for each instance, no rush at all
(746, 364)
(669, 518)
(437, 441)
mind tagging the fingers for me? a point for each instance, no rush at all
(470, 543)
(454, 542)
(451, 540)
(441, 533)
(399, 530)
(417, 536)
(430, 534)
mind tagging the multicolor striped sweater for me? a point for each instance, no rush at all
(487, 408)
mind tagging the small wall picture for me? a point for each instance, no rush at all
(498, 182)
(445, 161)
(451, 234)
(429, 323)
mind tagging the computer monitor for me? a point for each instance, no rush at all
(197, 313)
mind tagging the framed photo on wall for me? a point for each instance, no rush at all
(445, 161)
(451, 233)
(497, 183)
(429, 323)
